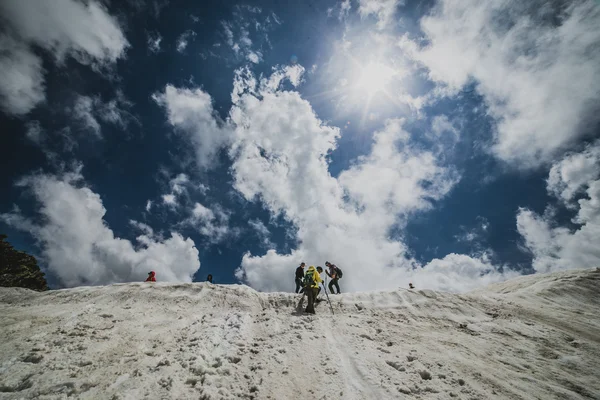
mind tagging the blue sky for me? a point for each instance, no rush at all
(449, 144)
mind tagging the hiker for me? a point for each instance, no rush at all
(335, 274)
(311, 288)
(410, 285)
(209, 278)
(320, 271)
(151, 277)
(299, 278)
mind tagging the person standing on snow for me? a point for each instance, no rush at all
(209, 278)
(335, 275)
(311, 288)
(319, 271)
(299, 277)
(151, 277)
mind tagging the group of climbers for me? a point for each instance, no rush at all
(308, 282)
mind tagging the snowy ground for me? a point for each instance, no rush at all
(535, 337)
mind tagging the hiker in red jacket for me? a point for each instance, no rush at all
(151, 277)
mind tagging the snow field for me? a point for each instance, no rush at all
(535, 337)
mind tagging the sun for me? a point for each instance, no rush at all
(374, 77)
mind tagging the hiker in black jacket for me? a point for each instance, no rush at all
(299, 278)
(335, 275)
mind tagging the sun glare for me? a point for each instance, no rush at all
(374, 77)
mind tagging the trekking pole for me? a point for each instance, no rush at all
(329, 301)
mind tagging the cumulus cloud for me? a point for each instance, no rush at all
(84, 31)
(573, 173)
(556, 247)
(191, 112)
(279, 159)
(536, 64)
(80, 249)
(466, 272)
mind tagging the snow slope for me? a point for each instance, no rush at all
(535, 337)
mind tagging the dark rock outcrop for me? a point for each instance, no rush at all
(19, 269)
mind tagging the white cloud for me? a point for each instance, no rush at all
(22, 84)
(461, 270)
(154, 42)
(191, 112)
(294, 74)
(279, 159)
(557, 247)
(88, 109)
(536, 64)
(391, 180)
(84, 31)
(149, 205)
(572, 174)
(254, 57)
(82, 111)
(179, 183)
(262, 232)
(183, 40)
(181, 189)
(169, 199)
(147, 229)
(441, 125)
(79, 247)
(239, 41)
(34, 132)
(474, 235)
(383, 10)
(212, 223)
(248, 21)
(343, 9)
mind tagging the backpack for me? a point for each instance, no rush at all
(309, 279)
(338, 272)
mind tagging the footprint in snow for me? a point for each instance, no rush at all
(425, 375)
(396, 365)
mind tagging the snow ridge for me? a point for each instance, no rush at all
(532, 337)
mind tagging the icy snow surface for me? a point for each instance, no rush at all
(535, 337)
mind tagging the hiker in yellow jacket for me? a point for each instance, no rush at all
(311, 287)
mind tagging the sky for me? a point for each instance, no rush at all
(446, 143)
